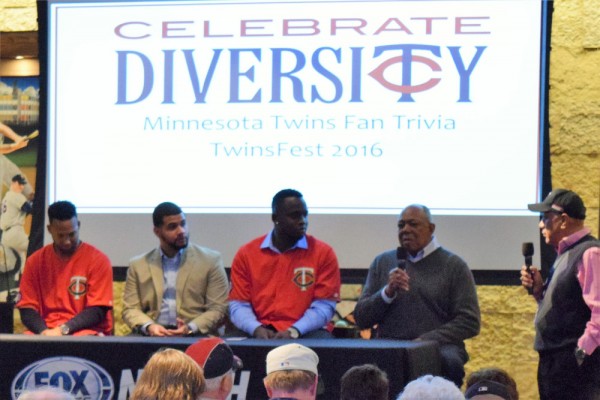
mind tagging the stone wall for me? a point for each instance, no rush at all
(575, 102)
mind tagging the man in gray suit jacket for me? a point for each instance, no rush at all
(177, 289)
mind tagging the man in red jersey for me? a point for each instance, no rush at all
(66, 287)
(285, 284)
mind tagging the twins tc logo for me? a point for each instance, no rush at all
(407, 88)
(78, 286)
(304, 277)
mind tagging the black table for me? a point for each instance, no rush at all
(107, 367)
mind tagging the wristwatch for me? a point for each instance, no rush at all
(294, 333)
(64, 329)
(580, 355)
(190, 331)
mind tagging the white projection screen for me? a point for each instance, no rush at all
(363, 106)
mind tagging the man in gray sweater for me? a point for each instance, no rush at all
(422, 292)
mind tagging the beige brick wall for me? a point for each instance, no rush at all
(507, 312)
(575, 102)
(18, 16)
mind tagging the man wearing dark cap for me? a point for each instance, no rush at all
(491, 384)
(487, 390)
(219, 364)
(567, 322)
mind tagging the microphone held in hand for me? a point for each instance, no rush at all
(401, 257)
(527, 250)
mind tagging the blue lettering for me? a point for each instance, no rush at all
(278, 75)
(79, 384)
(147, 73)
(327, 74)
(168, 84)
(356, 74)
(40, 378)
(235, 74)
(465, 73)
(63, 377)
(191, 65)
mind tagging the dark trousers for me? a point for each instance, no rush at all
(453, 359)
(559, 376)
(233, 331)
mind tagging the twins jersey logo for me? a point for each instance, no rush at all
(78, 286)
(304, 277)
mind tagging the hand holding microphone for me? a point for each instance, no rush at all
(531, 278)
(398, 278)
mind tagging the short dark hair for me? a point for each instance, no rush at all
(497, 375)
(281, 195)
(62, 211)
(364, 382)
(163, 210)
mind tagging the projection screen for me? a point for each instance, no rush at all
(363, 106)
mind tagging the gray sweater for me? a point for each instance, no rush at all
(441, 304)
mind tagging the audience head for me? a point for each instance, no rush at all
(415, 228)
(63, 226)
(430, 387)
(292, 372)
(46, 393)
(491, 383)
(169, 374)
(219, 364)
(364, 382)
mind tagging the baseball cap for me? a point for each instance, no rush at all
(290, 357)
(19, 178)
(561, 200)
(214, 356)
(489, 389)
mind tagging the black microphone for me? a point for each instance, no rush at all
(401, 257)
(527, 250)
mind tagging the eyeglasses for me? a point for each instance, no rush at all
(549, 215)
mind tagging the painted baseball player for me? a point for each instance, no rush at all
(15, 207)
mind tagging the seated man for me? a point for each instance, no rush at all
(292, 373)
(67, 286)
(430, 297)
(219, 364)
(176, 289)
(284, 284)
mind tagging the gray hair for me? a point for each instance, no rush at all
(421, 207)
(46, 393)
(431, 387)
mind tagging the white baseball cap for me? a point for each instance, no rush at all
(292, 356)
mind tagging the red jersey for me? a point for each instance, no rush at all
(60, 289)
(281, 287)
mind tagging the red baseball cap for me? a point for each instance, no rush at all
(214, 356)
